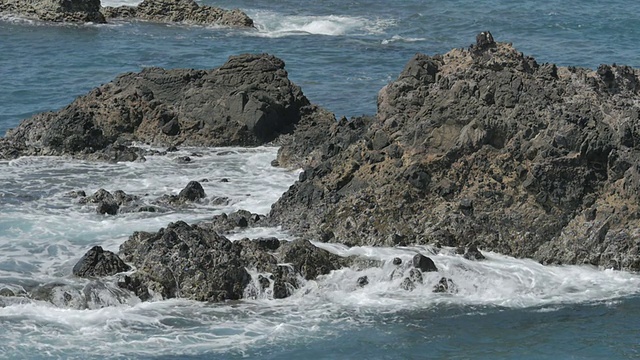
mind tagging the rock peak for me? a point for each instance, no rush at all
(484, 40)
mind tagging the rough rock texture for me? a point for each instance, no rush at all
(249, 101)
(485, 146)
(75, 11)
(193, 262)
(181, 11)
(98, 262)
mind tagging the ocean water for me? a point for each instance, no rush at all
(341, 53)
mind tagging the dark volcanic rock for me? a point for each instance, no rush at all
(107, 207)
(424, 263)
(445, 285)
(185, 261)
(224, 223)
(98, 262)
(248, 101)
(180, 11)
(485, 146)
(194, 262)
(74, 11)
(192, 192)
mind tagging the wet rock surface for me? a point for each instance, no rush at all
(91, 11)
(180, 11)
(193, 262)
(484, 146)
(248, 101)
(98, 262)
(71, 11)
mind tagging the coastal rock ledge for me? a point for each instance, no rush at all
(91, 11)
(180, 11)
(249, 101)
(484, 147)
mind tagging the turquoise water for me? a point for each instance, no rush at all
(341, 53)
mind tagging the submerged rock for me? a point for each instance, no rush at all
(248, 101)
(486, 146)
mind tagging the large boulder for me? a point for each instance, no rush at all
(485, 146)
(194, 262)
(181, 11)
(75, 11)
(248, 101)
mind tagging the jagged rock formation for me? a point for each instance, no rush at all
(485, 147)
(180, 11)
(74, 11)
(248, 101)
(90, 11)
(192, 262)
(98, 262)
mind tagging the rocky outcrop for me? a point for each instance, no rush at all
(180, 11)
(190, 261)
(248, 101)
(72, 11)
(90, 11)
(98, 263)
(486, 147)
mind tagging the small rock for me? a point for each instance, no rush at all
(362, 281)
(224, 180)
(445, 285)
(264, 282)
(192, 192)
(424, 263)
(98, 262)
(407, 284)
(107, 207)
(397, 261)
(416, 276)
(473, 253)
(183, 159)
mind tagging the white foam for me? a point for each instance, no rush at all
(43, 234)
(398, 38)
(274, 24)
(116, 3)
(43, 228)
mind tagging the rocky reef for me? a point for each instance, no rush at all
(91, 11)
(180, 11)
(479, 148)
(71, 11)
(483, 147)
(248, 101)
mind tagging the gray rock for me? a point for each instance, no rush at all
(192, 192)
(248, 101)
(524, 159)
(74, 11)
(194, 262)
(180, 11)
(424, 263)
(107, 207)
(98, 263)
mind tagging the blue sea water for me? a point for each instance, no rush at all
(341, 53)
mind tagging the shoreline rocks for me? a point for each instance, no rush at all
(248, 101)
(180, 11)
(91, 11)
(190, 261)
(485, 147)
(68, 11)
